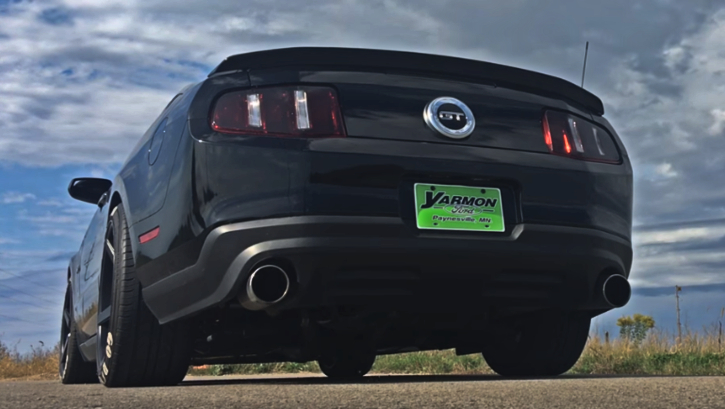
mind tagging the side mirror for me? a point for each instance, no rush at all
(89, 190)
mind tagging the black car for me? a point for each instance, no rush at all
(337, 204)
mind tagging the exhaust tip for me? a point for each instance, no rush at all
(268, 284)
(616, 291)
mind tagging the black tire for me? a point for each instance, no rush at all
(346, 363)
(133, 349)
(72, 368)
(540, 345)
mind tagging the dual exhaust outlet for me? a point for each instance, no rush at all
(266, 286)
(269, 284)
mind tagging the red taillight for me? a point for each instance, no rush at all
(306, 111)
(567, 147)
(575, 137)
(547, 134)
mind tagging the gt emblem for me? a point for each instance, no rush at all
(449, 117)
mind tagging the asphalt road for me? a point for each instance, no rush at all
(311, 391)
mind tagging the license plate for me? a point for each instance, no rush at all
(447, 207)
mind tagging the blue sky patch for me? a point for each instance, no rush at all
(56, 16)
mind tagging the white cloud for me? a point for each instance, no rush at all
(5, 240)
(668, 269)
(665, 169)
(690, 254)
(17, 197)
(679, 235)
(101, 173)
(672, 120)
(50, 203)
(674, 56)
(70, 222)
(718, 125)
(86, 93)
(49, 218)
(57, 232)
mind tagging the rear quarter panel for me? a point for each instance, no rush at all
(146, 183)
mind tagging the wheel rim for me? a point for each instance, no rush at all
(105, 340)
(65, 329)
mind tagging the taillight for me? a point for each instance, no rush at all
(307, 111)
(569, 135)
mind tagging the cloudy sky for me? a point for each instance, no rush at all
(81, 80)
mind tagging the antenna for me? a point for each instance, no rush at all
(584, 70)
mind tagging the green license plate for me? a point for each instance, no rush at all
(446, 207)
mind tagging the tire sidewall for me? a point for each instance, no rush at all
(539, 345)
(74, 369)
(66, 334)
(346, 364)
(115, 224)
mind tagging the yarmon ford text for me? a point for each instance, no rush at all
(461, 219)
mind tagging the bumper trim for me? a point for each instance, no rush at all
(316, 245)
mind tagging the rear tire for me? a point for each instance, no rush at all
(72, 368)
(346, 362)
(540, 345)
(133, 348)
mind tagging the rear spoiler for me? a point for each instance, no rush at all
(347, 59)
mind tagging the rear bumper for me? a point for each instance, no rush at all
(382, 262)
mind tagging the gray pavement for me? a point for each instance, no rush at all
(313, 391)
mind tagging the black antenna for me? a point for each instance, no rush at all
(584, 70)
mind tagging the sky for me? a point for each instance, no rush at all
(81, 80)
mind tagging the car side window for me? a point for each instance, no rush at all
(156, 141)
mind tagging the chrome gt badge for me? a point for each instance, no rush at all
(449, 117)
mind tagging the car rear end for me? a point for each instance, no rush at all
(321, 163)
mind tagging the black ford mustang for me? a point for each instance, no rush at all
(337, 204)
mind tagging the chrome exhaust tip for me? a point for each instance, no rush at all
(616, 291)
(267, 285)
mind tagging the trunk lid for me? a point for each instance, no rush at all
(383, 94)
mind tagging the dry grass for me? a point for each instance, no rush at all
(40, 363)
(698, 353)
